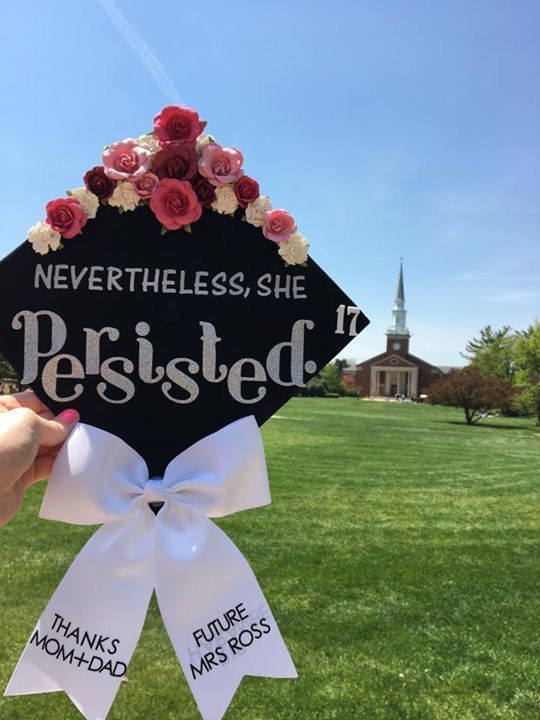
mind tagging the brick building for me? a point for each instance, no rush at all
(396, 371)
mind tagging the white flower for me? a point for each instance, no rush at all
(43, 238)
(88, 201)
(294, 250)
(124, 196)
(203, 140)
(149, 143)
(256, 210)
(225, 202)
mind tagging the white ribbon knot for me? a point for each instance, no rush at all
(212, 606)
(154, 490)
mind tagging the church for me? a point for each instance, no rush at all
(396, 372)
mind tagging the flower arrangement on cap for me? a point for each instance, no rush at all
(179, 172)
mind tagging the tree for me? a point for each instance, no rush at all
(331, 378)
(486, 340)
(8, 376)
(469, 389)
(314, 388)
(493, 353)
(327, 381)
(527, 359)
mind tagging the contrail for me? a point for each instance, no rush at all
(141, 49)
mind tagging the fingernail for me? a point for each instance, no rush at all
(68, 416)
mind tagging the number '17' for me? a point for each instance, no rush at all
(351, 312)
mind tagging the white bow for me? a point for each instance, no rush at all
(212, 606)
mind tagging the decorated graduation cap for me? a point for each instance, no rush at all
(167, 298)
(176, 310)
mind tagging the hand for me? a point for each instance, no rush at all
(30, 438)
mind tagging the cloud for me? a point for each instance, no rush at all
(499, 273)
(141, 49)
(482, 202)
(512, 296)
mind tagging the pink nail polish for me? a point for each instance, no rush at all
(69, 416)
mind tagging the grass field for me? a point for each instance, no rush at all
(400, 556)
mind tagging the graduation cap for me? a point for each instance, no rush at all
(166, 298)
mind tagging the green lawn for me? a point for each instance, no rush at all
(400, 557)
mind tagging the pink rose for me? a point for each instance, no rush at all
(125, 160)
(175, 124)
(146, 184)
(219, 165)
(175, 204)
(246, 190)
(278, 225)
(176, 161)
(65, 215)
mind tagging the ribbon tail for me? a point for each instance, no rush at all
(83, 642)
(270, 659)
(214, 610)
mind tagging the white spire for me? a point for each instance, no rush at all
(399, 314)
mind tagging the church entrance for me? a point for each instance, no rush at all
(388, 382)
(397, 383)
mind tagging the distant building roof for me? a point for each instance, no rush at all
(448, 368)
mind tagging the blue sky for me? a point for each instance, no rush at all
(386, 128)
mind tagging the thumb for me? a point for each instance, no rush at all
(54, 432)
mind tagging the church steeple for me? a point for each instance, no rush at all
(400, 292)
(399, 314)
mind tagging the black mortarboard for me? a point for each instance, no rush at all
(162, 339)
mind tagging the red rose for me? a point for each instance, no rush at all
(176, 161)
(65, 215)
(175, 124)
(204, 190)
(175, 204)
(246, 190)
(98, 183)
